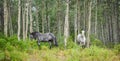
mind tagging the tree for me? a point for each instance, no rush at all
(19, 18)
(1, 17)
(58, 19)
(43, 19)
(76, 20)
(31, 19)
(37, 22)
(27, 18)
(23, 20)
(96, 19)
(5, 18)
(10, 26)
(89, 24)
(78, 16)
(66, 25)
(101, 19)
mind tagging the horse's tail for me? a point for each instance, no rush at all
(54, 39)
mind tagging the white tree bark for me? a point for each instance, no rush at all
(5, 18)
(27, 11)
(23, 19)
(31, 19)
(75, 22)
(96, 19)
(66, 25)
(19, 18)
(89, 24)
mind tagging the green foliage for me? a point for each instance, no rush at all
(2, 44)
(117, 48)
(96, 42)
(13, 50)
(2, 55)
(71, 43)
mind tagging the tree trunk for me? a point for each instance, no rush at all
(114, 22)
(23, 19)
(118, 21)
(5, 18)
(31, 19)
(37, 22)
(75, 21)
(10, 21)
(89, 24)
(48, 23)
(27, 11)
(19, 18)
(96, 19)
(46, 16)
(10, 24)
(43, 19)
(58, 19)
(78, 16)
(66, 25)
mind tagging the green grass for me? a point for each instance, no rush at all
(13, 50)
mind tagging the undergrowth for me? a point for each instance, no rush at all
(13, 50)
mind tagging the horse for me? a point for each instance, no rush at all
(81, 39)
(46, 37)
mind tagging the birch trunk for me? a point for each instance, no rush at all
(19, 18)
(27, 11)
(31, 19)
(75, 21)
(96, 19)
(23, 19)
(5, 18)
(89, 25)
(66, 25)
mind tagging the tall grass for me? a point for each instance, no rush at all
(13, 50)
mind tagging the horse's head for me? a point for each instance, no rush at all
(83, 31)
(34, 35)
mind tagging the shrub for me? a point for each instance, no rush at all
(96, 42)
(2, 44)
(13, 50)
(2, 55)
(117, 48)
(71, 43)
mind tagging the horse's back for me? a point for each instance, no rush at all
(78, 36)
(81, 38)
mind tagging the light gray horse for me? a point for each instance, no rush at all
(81, 39)
(46, 37)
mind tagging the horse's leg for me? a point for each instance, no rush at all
(38, 44)
(80, 44)
(50, 44)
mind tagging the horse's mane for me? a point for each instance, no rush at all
(33, 33)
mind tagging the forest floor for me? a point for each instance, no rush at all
(74, 54)
(13, 50)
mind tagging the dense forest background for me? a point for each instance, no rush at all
(100, 19)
